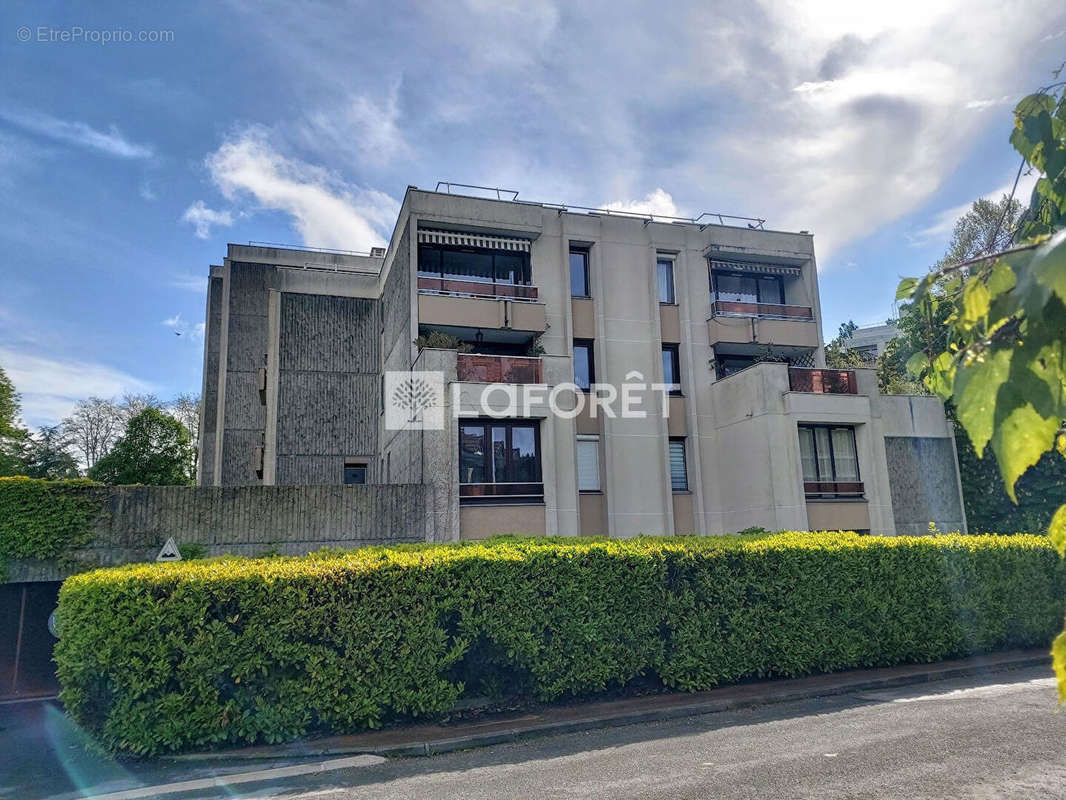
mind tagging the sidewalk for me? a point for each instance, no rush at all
(421, 740)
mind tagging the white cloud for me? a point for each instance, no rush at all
(110, 142)
(182, 327)
(366, 128)
(51, 386)
(326, 211)
(981, 105)
(656, 203)
(189, 282)
(944, 221)
(202, 218)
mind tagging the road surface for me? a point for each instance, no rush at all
(996, 736)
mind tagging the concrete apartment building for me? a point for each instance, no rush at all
(871, 340)
(759, 433)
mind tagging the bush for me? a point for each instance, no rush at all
(45, 519)
(167, 657)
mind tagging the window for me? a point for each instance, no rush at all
(665, 270)
(588, 463)
(354, 472)
(743, 287)
(579, 272)
(672, 368)
(469, 264)
(678, 466)
(828, 456)
(584, 364)
(499, 461)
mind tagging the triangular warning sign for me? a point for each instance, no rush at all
(169, 552)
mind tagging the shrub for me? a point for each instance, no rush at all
(166, 657)
(45, 519)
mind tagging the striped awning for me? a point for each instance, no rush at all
(467, 239)
(753, 266)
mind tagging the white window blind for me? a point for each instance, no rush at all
(678, 467)
(588, 463)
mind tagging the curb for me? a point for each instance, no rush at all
(594, 721)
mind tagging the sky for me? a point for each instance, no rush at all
(136, 140)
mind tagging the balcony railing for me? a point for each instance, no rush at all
(816, 490)
(729, 308)
(477, 368)
(822, 381)
(473, 493)
(496, 291)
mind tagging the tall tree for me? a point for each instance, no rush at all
(154, 451)
(839, 354)
(1003, 359)
(47, 455)
(12, 434)
(133, 403)
(186, 409)
(93, 428)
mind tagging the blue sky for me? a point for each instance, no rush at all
(125, 167)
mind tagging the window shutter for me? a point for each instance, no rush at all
(588, 463)
(678, 467)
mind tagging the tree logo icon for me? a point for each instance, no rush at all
(414, 400)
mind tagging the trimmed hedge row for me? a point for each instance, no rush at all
(167, 657)
(45, 519)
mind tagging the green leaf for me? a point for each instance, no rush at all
(976, 387)
(1020, 435)
(917, 364)
(975, 300)
(1057, 530)
(906, 288)
(1049, 264)
(1000, 279)
(1058, 661)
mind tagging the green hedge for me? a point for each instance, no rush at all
(45, 519)
(167, 657)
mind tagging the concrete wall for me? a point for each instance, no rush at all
(247, 521)
(328, 392)
(206, 462)
(924, 481)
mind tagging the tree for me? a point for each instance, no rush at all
(1000, 358)
(133, 403)
(92, 428)
(186, 409)
(154, 451)
(47, 455)
(839, 354)
(9, 408)
(12, 434)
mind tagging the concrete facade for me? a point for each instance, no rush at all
(134, 522)
(294, 356)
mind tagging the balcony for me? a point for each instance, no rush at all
(476, 368)
(728, 308)
(484, 289)
(500, 493)
(832, 490)
(763, 324)
(822, 381)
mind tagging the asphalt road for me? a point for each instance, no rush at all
(996, 736)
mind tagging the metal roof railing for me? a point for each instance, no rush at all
(755, 223)
(327, 250)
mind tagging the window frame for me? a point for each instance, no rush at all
(589, 345)
(678, 440)
(355, 464)
(509, 426)
(594, 440)
(813, 427)
(586, 279)
(758, 277)
(438, 273)
(670, 261)
(675, 358)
